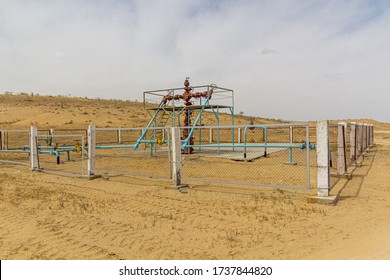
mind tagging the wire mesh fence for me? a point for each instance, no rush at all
(14, 146)
(259, 155)
(333, 162)
(275, 155)
(148, 156)
(62, 154)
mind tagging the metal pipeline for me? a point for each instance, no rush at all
(265, 131)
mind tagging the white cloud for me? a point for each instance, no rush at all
(266, 51)
(59, 54)
(326, 52)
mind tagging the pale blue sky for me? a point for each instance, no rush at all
(299, 60)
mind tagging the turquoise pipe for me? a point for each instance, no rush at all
(114, 146)
(149, 124)
(265, 138)
(296, 146)
(195, 123)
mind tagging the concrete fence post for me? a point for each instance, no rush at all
(211, 135)
(323, 176)
(34, 149)
(239, 135)
(373, 139)
(341, 151)
(364, 137)
(368, 135)
(1, 140)
(52, 141)
(119, 136)
(176, 157)
(359, 139)
(91, 149)
(4, 144)
(352, 142)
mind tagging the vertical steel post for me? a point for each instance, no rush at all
(218, 131)
(307, 155)
(291, 141)
(232, 112)
(323, 174)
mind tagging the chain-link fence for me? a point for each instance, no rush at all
(257, 155)
(14, 146)
(347, 142)
(275, 155)
(133, 152)
(63, 154)
(333, 162)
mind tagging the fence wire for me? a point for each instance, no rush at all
(333, 162)
(261, 155)
(63, 154)
(14, 146)
(151, 158)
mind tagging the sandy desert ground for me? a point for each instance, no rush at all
(46, 216)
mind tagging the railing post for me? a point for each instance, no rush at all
(323, 177)
(352, 142)
(34, 149)
(1, 139)
(341, 151)
(119, 135)
(364, 137)
(4, 144)
(52, 141)
(176, 158)
(91, 149)
(359, 140)
(371, 134)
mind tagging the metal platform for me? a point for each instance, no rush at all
(237, 154)
(195, 107)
